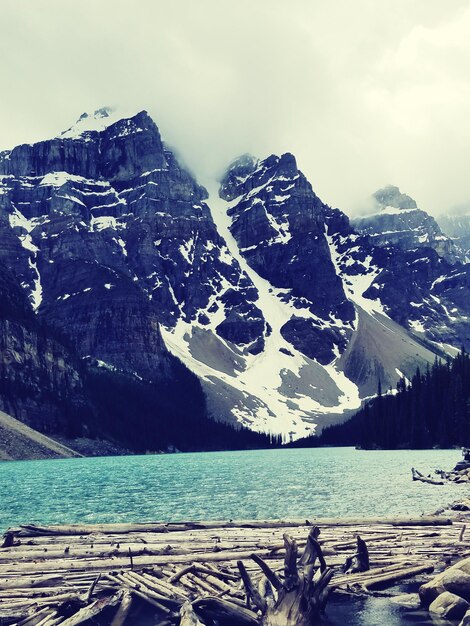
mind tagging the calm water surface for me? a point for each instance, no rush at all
(339, 482)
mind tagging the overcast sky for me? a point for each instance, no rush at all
(363, 92)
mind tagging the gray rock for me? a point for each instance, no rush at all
(449, 606)
(392, 196)
(109, 238)
(122, 241)
(430, 590)
(457, 227)
(458, 582)
(280, 226)
(41, 378)
(408, 601)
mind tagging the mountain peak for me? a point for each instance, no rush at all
(391, 196)
(397, 221)
(98, 121)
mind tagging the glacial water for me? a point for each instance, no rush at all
(268, 484)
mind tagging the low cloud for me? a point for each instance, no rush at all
(364, 93)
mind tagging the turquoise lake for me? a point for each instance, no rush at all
(268, 484)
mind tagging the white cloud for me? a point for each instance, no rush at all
(364, 93)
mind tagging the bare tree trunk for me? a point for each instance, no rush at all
(359, 562)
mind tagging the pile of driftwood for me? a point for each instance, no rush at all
(206, 573)
(454, 476)
(460, 473)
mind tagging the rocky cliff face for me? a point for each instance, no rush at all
(110, 237)
(457, 227)
(280, 228)
(287, 314)
(278, 222)
(397, 221)
(40, 378)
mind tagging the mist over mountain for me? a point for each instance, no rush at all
(397, 220)
(456, 224)
(388, 105)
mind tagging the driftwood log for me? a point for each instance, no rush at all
(424, 479)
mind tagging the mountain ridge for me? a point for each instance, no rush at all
(268, 295)
(399, 221)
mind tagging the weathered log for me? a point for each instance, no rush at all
(128, 580)
(394, 577)
(76, 529)
(30, 582)
(92, 610)
(196, 567)
(222, 587)
(51, 620)
(220, 609)
(188, 616)
(266, 591)
(379, 538)
(162, 586)
(179, 574)
(123, 610)
(202, 585)
(312, 550)
(424, 479)
(350, 579)
(90, 590)
(36, 617)
(9, 539)
(268, 572)
(252, 593)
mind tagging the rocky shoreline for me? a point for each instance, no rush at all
(447, 595)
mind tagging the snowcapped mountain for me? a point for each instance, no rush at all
(107, 219)
(398, 221)
(286, 313)
(457, 227)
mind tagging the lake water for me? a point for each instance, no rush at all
(263, 484)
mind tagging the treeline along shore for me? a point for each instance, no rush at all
(430, 410)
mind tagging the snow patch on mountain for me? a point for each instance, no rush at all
(356, 284)
(264, 376)
(98, 121)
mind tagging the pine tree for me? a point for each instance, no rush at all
(432, 410)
